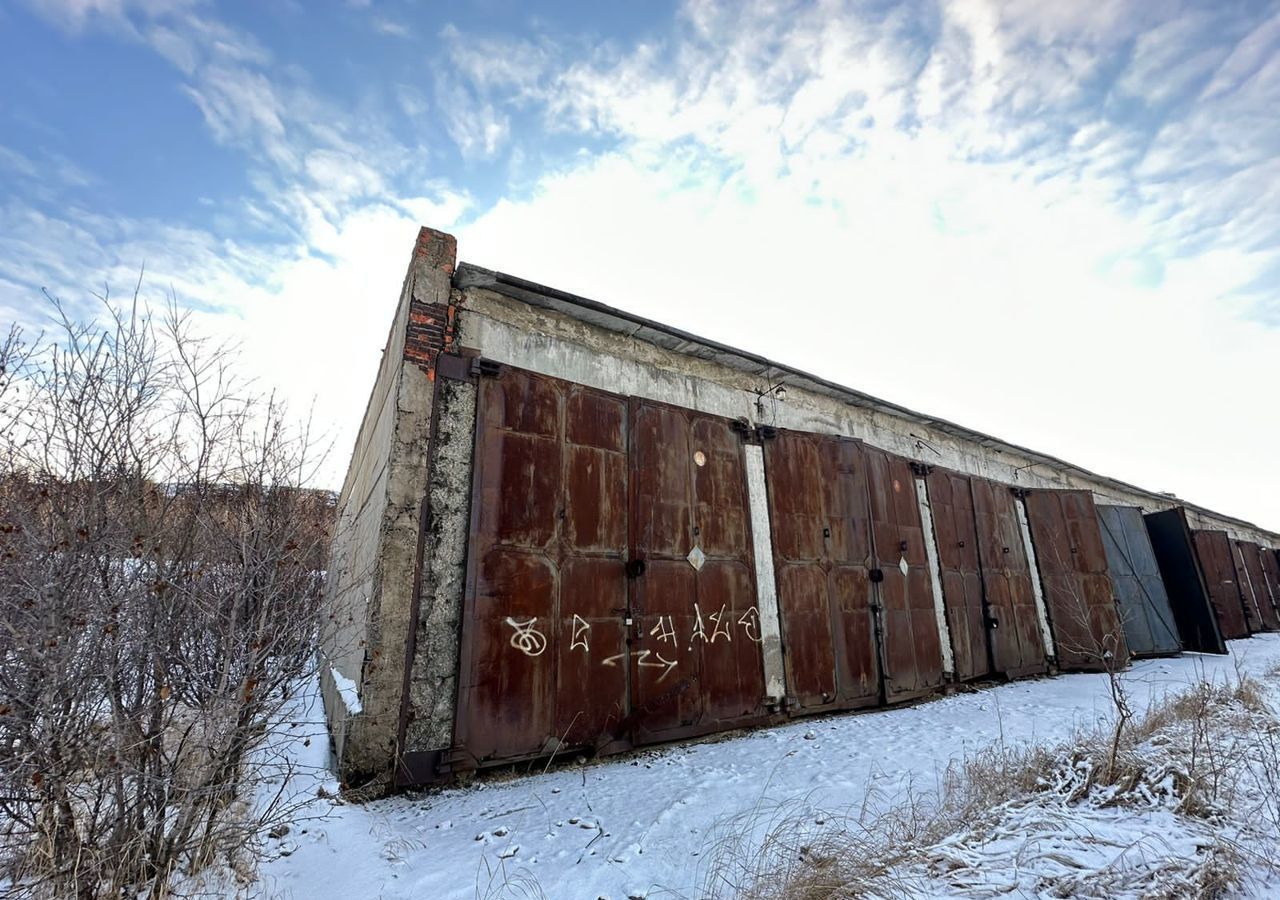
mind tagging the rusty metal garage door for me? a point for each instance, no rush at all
(1017, 645)
(695, 658)
(1184, 580)
(911, 649)
(611, 590)
(1253, 583)
(822, 555)
(546, 598)
(1073, 570)
(960, 570)
(1271, 569)
(1253, 586)
(1148, 622)
(1216, 561)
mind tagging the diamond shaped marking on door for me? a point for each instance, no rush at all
(903, 567)
(696, 558)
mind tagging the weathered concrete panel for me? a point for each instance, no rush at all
(375, 545)
(433, 686)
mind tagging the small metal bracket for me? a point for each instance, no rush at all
(1019, 492)
(741, 427)
(921, 470)
(456, 367)
(486, 368)
(766, 432)
(423, 767)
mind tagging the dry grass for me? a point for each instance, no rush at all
(1210, 756)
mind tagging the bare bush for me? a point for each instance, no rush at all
(160, 568)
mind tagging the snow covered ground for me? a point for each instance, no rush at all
(646, 824)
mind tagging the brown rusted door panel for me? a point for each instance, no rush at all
(1271, 573)
(1214, 550)
(911, 655)
(1017, 646)
(956, 536)
(1253, 583)
(822, 553)
(546, 595)
(695, 655)
(804, 597)
(1267, 600)
(1073, 571)
(1252, 616)
(590, 697)
(857, 657)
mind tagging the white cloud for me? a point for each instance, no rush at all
(952, 233)
(476, 126)
(391, 28)
(937, 204)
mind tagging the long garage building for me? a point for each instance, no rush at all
(566, 528)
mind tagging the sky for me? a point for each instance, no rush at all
(1057, 223)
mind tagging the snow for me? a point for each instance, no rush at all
(647, 824)
(348, 691)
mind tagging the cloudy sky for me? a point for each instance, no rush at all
(1055, 222)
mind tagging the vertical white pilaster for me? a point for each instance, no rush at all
(1024, 525)
(766, 584)
(935, 576)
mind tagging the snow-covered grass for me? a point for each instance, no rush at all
(1186, 806)
(990, 792)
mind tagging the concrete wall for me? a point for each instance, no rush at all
(375, 546)
(433, 684)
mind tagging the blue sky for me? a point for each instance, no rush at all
(1058, 223)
